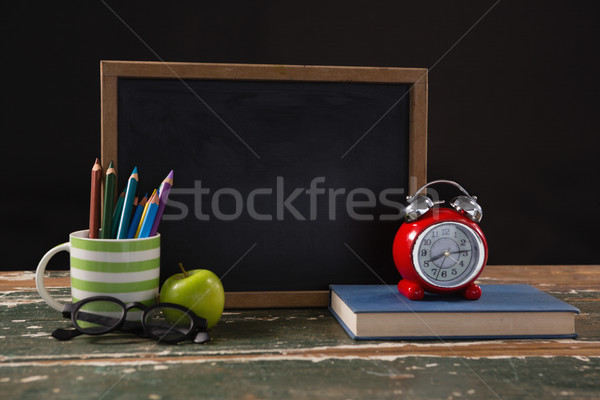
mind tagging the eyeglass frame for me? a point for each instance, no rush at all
(198, 328)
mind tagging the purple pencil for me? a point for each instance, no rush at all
(165, 188)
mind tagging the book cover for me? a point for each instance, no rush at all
(503, 311)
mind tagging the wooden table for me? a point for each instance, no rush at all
(297, 353)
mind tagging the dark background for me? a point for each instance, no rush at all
(513, 101)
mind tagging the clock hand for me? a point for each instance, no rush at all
(453, 259)
(446, 253)
(439, 256)
(459, 251)
(440, 269)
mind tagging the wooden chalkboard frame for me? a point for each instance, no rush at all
(111, 71)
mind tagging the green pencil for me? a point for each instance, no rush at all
(117, 215)
(110, 183)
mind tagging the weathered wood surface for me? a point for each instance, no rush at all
(300, 353)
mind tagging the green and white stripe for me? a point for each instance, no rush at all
(128, 269)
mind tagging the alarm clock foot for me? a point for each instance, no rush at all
(411, 290)
(472, 292)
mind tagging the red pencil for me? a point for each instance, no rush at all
(95, 200)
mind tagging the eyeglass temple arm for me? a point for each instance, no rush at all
(65, 334)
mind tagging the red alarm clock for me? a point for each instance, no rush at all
(439, 249)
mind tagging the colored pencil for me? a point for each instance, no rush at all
(165, 188)
(137, 216)
(117, 215)
(149, 218)
(137, 232)
(128, 205)
(110, 183)
(95, 200)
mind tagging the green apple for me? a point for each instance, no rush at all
(200, 290)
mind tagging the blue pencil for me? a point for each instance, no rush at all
(128, 205)
(137, 216)
(117, 216)
(149, 217)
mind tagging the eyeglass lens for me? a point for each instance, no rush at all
(98, 316)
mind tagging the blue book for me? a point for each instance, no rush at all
(503, 311)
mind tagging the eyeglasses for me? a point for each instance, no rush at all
(164, 322)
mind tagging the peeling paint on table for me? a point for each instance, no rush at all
(296, 353)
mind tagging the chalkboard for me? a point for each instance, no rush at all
(287, 178)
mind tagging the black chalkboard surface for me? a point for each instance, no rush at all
(279, 185)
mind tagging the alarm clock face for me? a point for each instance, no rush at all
(448, 254)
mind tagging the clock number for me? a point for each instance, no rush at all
(423, 253)
(445, 231)
(433, 271)
(463, 242)
(435, 234)
(444, 274)
(426, 264)
(427, 242)
(454, 271)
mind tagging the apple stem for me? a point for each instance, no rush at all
(183, 269)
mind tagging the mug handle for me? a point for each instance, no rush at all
(39, 275)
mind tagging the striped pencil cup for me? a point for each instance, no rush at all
(128, 269)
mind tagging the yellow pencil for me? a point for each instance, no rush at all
(137, 232)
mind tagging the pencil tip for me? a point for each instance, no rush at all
(170, 175)
(96, 165)
(111, 164)
(135, 171)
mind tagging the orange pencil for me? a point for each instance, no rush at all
(95, 200)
